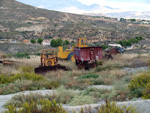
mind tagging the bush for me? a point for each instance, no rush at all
(40, 40)
(113, 108)
(51, 84)
(95, 93)
(88, 76)
(139, 38)
(19, 100)
(21, 55)
(33, 41)
(64, 95)
(4, 79)
(26, 69)
(58, 42)
(146, 92)
(81, 100)
(23, 85)
(28, 76)
(138, 84)
(46, 106)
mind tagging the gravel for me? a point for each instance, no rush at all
(135, 70)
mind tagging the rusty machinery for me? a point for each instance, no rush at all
(68, 54)
(49, 61)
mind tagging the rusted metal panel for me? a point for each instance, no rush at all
(114, 51)
(88, 54)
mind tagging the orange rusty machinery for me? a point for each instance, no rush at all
(8, 62)
(49, 61)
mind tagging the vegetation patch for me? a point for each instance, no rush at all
(88, 76)
(42, 106)
(139, 83)
(81, 100)
(113, 108)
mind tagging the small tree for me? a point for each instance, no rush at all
(40, 40)
(33, 41)
(67, 42)
(54, 43)
(60, 42)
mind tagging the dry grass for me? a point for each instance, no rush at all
(71, 65)
(8, 70)
(34, 62)
(118, 73)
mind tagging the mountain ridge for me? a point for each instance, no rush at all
(20, 21)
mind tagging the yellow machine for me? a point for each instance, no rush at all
(68, 54)
(49, 62)
(49, 57)
(82, 42)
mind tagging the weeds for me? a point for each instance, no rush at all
(138, 84)
(113, 108)
(43, 106)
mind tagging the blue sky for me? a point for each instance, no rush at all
(91, 6)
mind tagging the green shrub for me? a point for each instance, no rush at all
(21, 85)
(19, 100)
(51, 84)
(4, 79)
(138, 84)
(88, 76)
(94, 92)
(21, 55)
(28, 76)
(64, 95)
(146, 92)
(26, 69)
(81, 100)
(46, 106)
(113, 108)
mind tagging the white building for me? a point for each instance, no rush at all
(46, 43)
(115, 45)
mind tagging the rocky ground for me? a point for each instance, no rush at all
(141, 47)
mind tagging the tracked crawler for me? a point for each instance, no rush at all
(49, 61)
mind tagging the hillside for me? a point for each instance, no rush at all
(20, 21)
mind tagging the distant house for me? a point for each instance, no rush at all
(12, 41)
(26, 41)
(3, 40)
(115, 45)
(46, 43)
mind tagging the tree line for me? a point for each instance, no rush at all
(130, 41)
(53, 42)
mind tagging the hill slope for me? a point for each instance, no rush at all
(19, 21)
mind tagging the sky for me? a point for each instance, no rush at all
(92, 6)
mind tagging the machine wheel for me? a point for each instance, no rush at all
(77, 62)
(80, 66)
(71, 57)
(49, 63)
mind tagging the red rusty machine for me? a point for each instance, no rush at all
(87, 57)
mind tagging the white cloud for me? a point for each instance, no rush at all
(101, 10)
(128, 6)
(90, 2)
(41, 6)
(73, 10)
